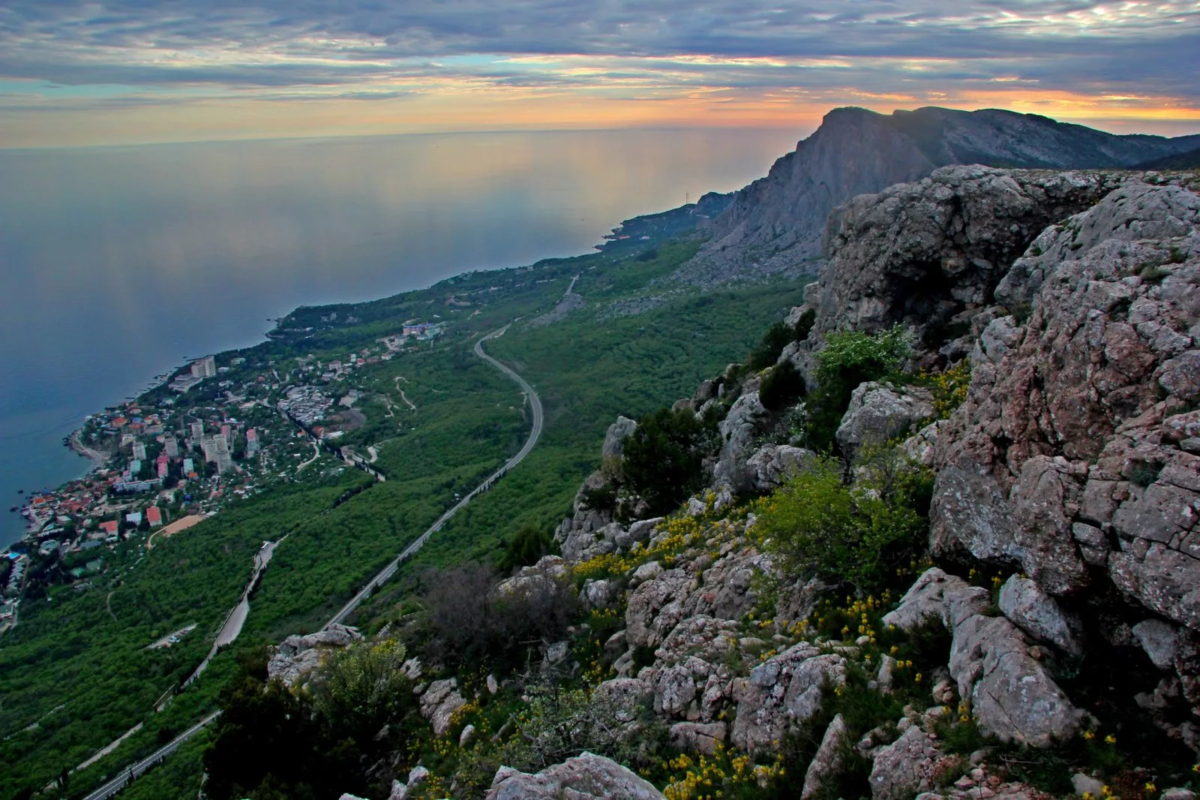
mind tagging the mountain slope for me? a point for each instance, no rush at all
(1187, 160)
(776, 223)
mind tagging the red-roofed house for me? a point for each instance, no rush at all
(154, 516)
(110, 527)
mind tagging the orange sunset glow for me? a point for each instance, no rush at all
(123, 72)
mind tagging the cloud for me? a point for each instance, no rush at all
(733, 50)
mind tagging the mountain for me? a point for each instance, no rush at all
(1188, 160)
(776, 223)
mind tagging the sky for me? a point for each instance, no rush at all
(135, 71)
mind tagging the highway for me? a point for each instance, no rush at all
(387, 572)
(116, 784)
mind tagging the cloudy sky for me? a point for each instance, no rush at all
(125, 71)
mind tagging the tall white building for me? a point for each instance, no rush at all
(139, 451)
(204, 367)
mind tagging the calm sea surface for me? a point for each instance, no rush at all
(116, 263)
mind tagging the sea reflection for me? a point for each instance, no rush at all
(118, 262)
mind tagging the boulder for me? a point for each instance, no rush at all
(1011, 694)
(880, 412)
(737, 431)
(772, 465)
(1160, 640)
(297, 656)
(698, 737)
(438, 704)
(585, 776)
(1039, 615)
(906, 767)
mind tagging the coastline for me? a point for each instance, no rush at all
(95, 456)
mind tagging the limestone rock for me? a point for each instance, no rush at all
(1160, 640)
(906, 767)
(879, 413)
(782, 691)
(1039, 615)
(438, 704)
(697, 737)
(1068, 451)
(827, 762)
(1011, 693)
(297, 656)
(655, 607)
(737, 430)
(580, 778)
(772, 465)
(614, 440)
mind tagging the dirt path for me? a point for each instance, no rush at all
(402, 395)
(108, 605)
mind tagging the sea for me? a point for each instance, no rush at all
(120, 263)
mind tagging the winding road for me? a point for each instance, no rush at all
(535, 432)
(116, 784)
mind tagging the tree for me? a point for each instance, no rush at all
(664, 457)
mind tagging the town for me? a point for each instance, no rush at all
(221, 429)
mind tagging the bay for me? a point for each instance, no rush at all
(117, 263)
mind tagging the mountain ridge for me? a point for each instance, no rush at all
(775, 224)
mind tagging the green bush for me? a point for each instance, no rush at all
(781, 387)
(853, 535)
(528, 545)
(664, 458)
(850, 359)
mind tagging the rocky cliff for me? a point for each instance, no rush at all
(1070, 473)
(775, 224)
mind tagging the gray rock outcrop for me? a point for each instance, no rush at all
(879, 413)
(297, 656)
(1011, 694)
(585, 776)
(1068, 453)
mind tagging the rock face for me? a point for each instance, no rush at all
(775, 224)
(1069, 454)
(929, 254)
(585, 776)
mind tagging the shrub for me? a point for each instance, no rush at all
(841, 534)
(361, 689)
(664, 458)
(850, 359)
(766, 353)
(527, 546)
(781, 387)
(468, 619)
